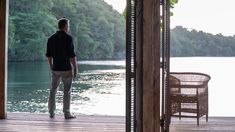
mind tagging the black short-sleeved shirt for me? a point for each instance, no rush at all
(60, 47)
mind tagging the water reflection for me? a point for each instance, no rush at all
(99, 86)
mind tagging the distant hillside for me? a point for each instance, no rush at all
(198, 43)
(98, 30)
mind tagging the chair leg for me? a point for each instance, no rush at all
(207, 112)
(198, 114)
(179, 111)
(198, 121)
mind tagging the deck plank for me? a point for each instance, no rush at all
(215, 124)
(25, 122)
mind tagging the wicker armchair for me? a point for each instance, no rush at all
(189, 94)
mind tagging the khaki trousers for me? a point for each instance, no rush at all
(66, 78)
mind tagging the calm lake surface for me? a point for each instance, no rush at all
(100, 89)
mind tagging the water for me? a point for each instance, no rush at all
(100, 89)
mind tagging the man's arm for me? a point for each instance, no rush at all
(73, 61)
(50, 62)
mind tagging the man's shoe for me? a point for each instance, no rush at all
(69, 116)
(52, 115)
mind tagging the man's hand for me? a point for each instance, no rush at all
(75, 69)
(50, 62)
(75, 73)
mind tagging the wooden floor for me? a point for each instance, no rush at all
(215, 124)
(42, 123)
(24, 122)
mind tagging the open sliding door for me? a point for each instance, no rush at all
(165, 64)
(131, 66)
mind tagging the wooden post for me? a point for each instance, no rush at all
(139, 69)
(151, 66)
(148, 65)
(3, 57)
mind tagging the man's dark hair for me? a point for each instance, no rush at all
(62, 22)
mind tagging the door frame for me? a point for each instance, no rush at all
(3, 56)
(146, 61)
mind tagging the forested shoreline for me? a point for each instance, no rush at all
(185, 42)
(98, 31)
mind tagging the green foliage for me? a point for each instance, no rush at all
(172, 5)
(198, 43)
(98, 30)
(173, 2)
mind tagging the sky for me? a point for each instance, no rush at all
(119, 5)
(211, 16)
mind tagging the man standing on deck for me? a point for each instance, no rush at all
(60, 54)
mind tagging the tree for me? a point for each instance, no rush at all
(199, 43)
(98, 30)
(30, 24)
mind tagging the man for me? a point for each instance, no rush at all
(60, 54)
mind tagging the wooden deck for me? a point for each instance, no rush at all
(24, 122)
(42, 123)
(215, 124)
